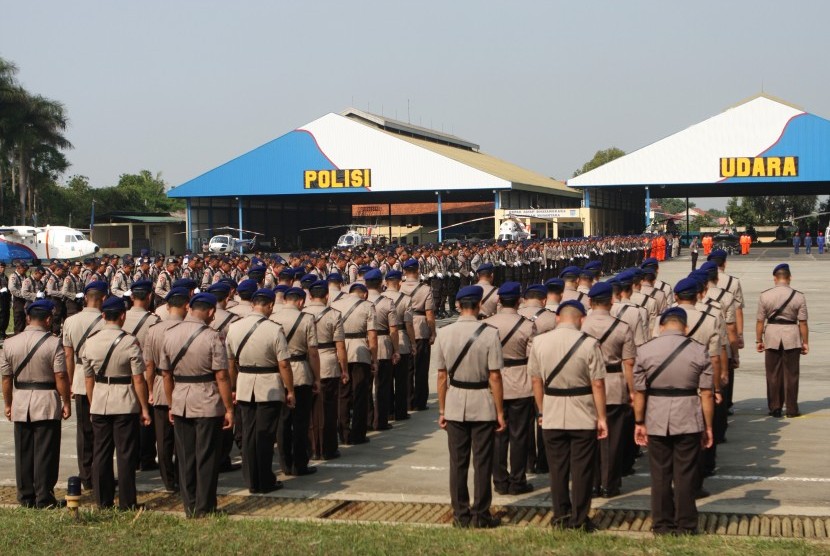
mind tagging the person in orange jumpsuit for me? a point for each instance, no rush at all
(707, 244)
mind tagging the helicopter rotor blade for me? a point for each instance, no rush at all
(461, 224)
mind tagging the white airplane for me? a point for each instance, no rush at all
(51, 242)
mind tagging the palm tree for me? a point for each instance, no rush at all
(10, 96)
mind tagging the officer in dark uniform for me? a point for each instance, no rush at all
(114, 373)
(36, 395)
(673, 419)
(5, 301)
(468, 358)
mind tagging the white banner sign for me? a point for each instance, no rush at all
(545, 213)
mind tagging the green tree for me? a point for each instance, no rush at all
(702, 221)
(769, 210)
(672, 205)
(600, 158)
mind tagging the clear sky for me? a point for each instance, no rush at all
(181, 86)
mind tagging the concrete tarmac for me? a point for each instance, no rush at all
(768, 465)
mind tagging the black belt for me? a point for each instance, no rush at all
(515, 362)
(326, 345)
(299, 357)
(195, 379)
(260, 370)
(781, 321)
(122, 380)
(568, 392)
(615, 368)
(356, 335)
(672, 392)
(382, 332)
(34, 385)
(420, 313)
(470, 385)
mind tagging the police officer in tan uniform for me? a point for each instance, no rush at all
(76, 331)
(245, 290)
(36, 396)
(406, 344)
(331, 347)
(196, 383)
(647, 302)
(732, 284)
(259, 363)
(616, 341)
(115, 385)
(177, 299)
(782, 335)
(534, 309)
(568, 374)
(387, 327)
(555, 288)
(673, 419)
(490, 299)
(164, 281)
(304, 361)
(468, 358)
(72, 290)
(569, 276)
(516, 336)
(335, 285)
(223, 318)
(18, 301)
(423, 321)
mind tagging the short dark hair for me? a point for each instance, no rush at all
(783, 273)
(261, 300)
(113, 314)
(178, 301)
(96, 294)
(509, 302)
(141, 295)
(220, 295)
(246, 296)
(469, 303)
(293, 296)
(373, 284)
(202, 306)
(318, 293)
(686, 295)
(601, 300)
(39, 314)
(673, 318)
(533, 294)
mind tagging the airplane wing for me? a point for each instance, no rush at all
(461, 223)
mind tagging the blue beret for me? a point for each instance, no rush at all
(308, 278)
(99, 285)
(142, 285)
(208, 298)
(782, 266)
(571, 303)
(183, 292)
(257, 269)
(687, 285)
(225, 260)
(281, 288)
(267, 293)
(184, 283)
(637, 272)
(536, 288)
(674, 312)
(394, 275)
(510, 290)
(299, 292)
(319, 284)
(717, 254)
(594, 265)
(363, 269)
(113, 303)
(229, 281)
(651, 261)
(335, 277)
(601, 289)
(614, 281)
(702, 277)
(709, 266)
(374, 274)
(486, 267)
(587, 272)
(247, 286)
(569, 271)
(255, 260)
(553, 283)
(410, 263)
(470, 292)
(358, 286)
(286, 271)
(625, 278)
(44, 304)
(219, 287)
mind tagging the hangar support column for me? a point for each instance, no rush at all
(440, 224)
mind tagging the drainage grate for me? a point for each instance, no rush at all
(441, 514)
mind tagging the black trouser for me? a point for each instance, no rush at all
(438, 293)
(611, 449)
(293, 435)
(629, 447)
(516, 438)
(147, 443)
(166, 444)
(383, 394)
(694, 261)
(5, 310)
(354, 404)
(421, 392)
(783, 369)
(453, 285)
(19, 313)
(197, 447)
(329, 390)
(541, 463)
(400, 401)
(58, 312)
(571, 455)
(83, 437)
(674, 464)
(119, 434)
(463, 438)
(260, 423)
(729, 389)
(37, 451)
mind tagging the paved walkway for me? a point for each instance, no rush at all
(773, 466)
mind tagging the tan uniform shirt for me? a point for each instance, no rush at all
(422, 301)
(490, 299)
(151, 350)
(691, 369)
(303, 338)
(484, 355)
(137, 325)
(617, 347)
(265, 348)
(359, 322)
(243, 308)
(707, 332)
(572, 293)
(650, 305)
(633, 316)
(222, 319)
(514, 379)
(782, 336)
(126, 361)
(733, 286)
(206, 355)
(658, 295)
(47, 361)
(541, 317)
(162, 312)
(74, 329)
(586, 364)
(386, 316)
(726, 300)
(329, 331)
(403, 306)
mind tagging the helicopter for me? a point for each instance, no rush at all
(355, 235)
(51, 242)
(226, 243)
(510, 229)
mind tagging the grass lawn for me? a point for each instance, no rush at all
(121, 534)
